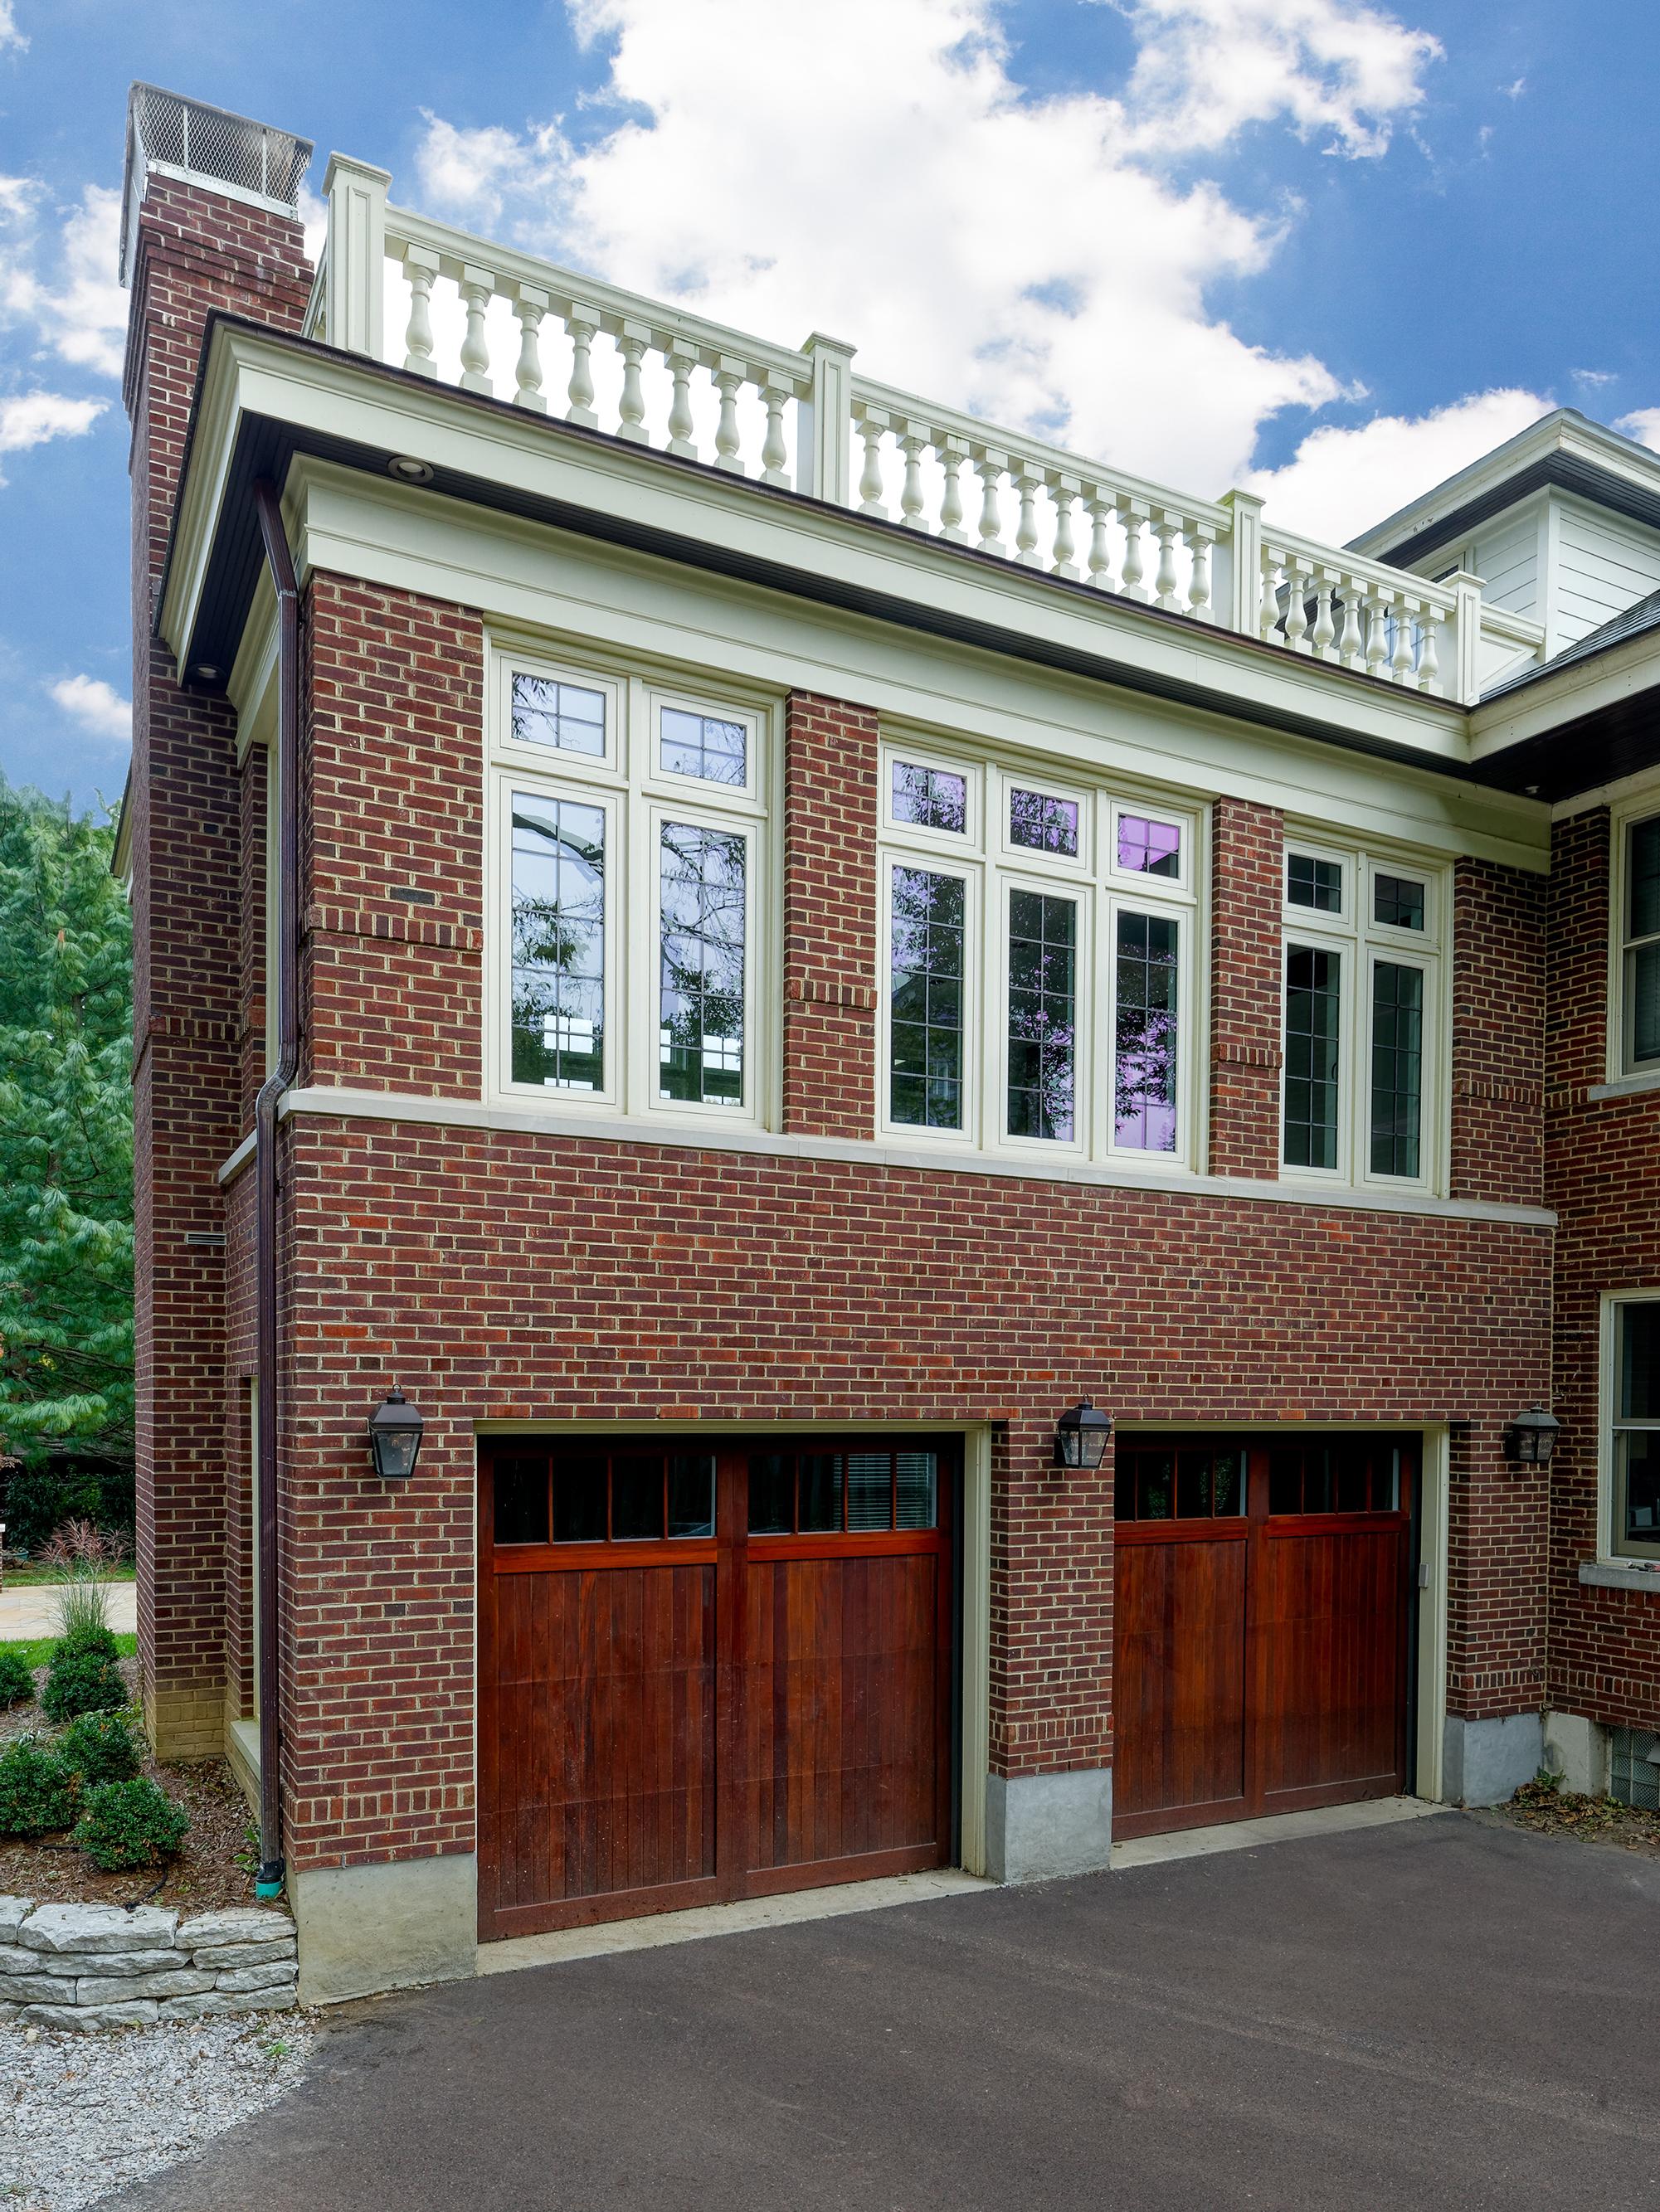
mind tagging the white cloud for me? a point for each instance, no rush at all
(1594, 378)
(1028, 257)
(98, 706)
(1643, 425)
(1207, 68)
(1516, 90)
(9, 33)
(64, 283)
(1340, 482)
(31, 418)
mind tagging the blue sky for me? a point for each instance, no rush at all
(1332, 250)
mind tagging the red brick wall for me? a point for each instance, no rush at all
(393, 842)
(194, 250)
(1247, 877)
(829, 918)
(1603, 1178)
(1497, 1033)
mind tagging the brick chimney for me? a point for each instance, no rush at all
(210, 220)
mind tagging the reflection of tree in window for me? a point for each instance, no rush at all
(1148, 847)
(1311, 1008)
(926, 1003)
(568, 716)
(1046, 824)
(701, 1017)
(931, 798)
(1397, 1066)
(558, 942)
(1144, 1067)
(1043, 1016)
(702, 745)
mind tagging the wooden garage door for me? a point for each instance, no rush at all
(707, 1674)
(1261, 1637)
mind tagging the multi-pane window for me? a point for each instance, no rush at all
(799, 1493)
(1640, 945)
(1038, 938)
(1362, 949)
(928, 951)
(1043, 1015)
(1633, 1443)
(631, 850)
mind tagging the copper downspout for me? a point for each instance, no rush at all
(270, 1880)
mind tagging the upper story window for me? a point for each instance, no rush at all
(1039, 962)
(629, 888)
(1362, 1088)
(1631, 1445)
(1639, 911)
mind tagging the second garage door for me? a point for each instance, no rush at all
(1264, 1602)
(707, 1674)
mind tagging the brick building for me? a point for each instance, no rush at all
(817, 935)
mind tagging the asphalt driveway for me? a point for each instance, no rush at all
(1446, 2012)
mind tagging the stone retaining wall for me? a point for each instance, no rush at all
(104, 1965)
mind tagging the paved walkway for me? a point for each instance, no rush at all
(24, 1613)
(1441, 2013)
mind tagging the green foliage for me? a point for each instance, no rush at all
(36, 1499)
(82, 1607)
(16, 1676)
(37, 1791)
(65, 1139)
(83, 1678)
(128, 1824)
(101, 1747)
(38, 1650)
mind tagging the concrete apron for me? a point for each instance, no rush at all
(27, 1614)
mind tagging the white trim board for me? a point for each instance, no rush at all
(554, 1121)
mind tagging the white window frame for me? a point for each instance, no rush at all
(1622, 820)
(637, 797)
(1611, 1549)
(984, 858)
(1361, 940)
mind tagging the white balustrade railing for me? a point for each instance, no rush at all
(397, 286)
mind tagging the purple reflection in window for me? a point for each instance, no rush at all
(1145, 1061)
(1149, 848)
(932, 797)
(1046, 824)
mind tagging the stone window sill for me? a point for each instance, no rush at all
(1621, 1574)
(1627, 1086)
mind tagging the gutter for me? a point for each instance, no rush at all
(270, 1880)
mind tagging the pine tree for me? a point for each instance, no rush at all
(66, 1379)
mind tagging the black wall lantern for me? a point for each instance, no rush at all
(395, 1432)
(1081, 1436)
(1530, 1438)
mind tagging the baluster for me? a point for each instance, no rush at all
(989, 468)
(1273, 558)
(773, 452)
(1429, 655)
(681, 360)
(420, 267)
(1351, 647)
(1165, 528)
(1377, 640)
(1198, 538)
(1133, 514)
(729, 379)
(1099, 507)
(913, 444)
(1026, 479)
(581, 325)
(530, 308)
(1063, 492)
(477, 285)
(1325, 627)
(1297, 611)
(872, 427)
(632, 339)
(951, 453)
(1403, 661)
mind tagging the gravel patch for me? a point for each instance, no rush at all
(81, 2115)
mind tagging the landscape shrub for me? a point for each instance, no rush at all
(17, 1677)
(101, 1747)
(125, 1825)
(37, 1792)
(84, 1677)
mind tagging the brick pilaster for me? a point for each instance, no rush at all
(1497, 1033)
(1247, 866)
(830, 917)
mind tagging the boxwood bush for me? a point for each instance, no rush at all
(38, 1791)
(100, 1747)
(84, 1677)
(128, 1824)
(17, 1677)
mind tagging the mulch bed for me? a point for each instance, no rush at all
(203, 1877)
(1551, 1812)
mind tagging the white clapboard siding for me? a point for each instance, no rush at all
(1506, 559)
(1605, 564)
